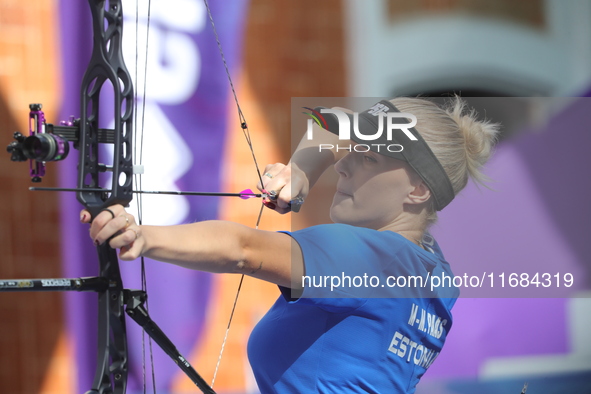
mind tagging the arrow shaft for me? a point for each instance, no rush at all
(176, 193)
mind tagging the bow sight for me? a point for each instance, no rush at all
(48, 142)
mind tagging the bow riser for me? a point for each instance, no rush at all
(106, 64)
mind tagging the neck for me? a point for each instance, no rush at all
(410, 225)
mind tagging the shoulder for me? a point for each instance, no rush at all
(346, 236)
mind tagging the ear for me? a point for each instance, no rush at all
(420, 194)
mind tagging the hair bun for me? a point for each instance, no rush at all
(480, 136)
(461, 142)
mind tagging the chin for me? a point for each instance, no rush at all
(340, 210)
(334, 216)
(340, 218)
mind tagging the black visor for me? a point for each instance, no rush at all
(397, 144)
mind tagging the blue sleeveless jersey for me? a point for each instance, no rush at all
(376, 332)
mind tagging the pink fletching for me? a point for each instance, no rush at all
(246, 194)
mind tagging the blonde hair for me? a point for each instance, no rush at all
(461, 142)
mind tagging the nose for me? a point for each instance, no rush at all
(343, 166)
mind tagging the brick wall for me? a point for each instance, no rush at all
(30, 323)
(295, 49)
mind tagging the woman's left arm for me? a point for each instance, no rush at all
(212, 246)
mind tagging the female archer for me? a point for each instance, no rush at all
(344, 322)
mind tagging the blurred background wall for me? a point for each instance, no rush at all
(31, 324)
(538, 212)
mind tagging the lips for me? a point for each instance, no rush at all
(344, 193)
(342, 190)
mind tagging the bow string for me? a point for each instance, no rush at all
(244, 194)
(246, 132)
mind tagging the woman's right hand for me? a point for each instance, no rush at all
(286, 186)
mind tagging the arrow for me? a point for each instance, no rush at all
(244, 194)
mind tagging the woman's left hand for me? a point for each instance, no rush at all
(116, 226)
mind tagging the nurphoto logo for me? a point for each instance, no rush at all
(344, 125)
